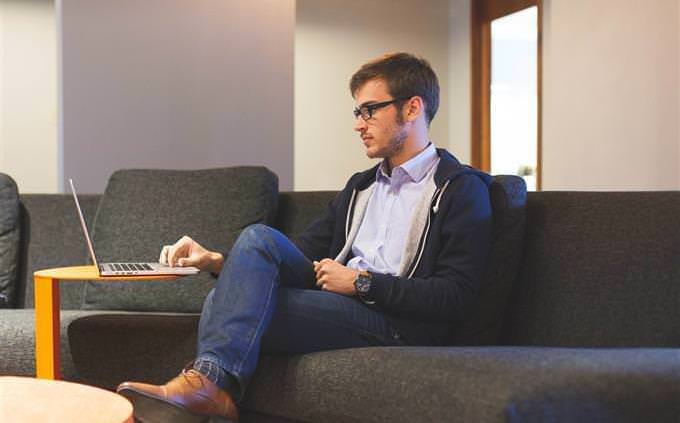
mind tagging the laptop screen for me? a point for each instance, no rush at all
(84, 226)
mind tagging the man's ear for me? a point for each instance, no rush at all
(414, 108)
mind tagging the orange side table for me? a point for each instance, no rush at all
(47, 308)
(29, 400)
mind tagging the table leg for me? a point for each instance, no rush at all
(47, 328)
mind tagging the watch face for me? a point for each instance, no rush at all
(363, 284)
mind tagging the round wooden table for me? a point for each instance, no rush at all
(27, 400)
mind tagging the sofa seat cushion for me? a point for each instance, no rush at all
(142, 210)
(138, 346)
(475, 384)
(17, 342)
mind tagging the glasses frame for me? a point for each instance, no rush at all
(366, 111)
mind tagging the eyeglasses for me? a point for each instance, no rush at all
(366, 111)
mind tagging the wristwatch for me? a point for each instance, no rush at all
(362, 284)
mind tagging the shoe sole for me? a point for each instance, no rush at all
(149, 409)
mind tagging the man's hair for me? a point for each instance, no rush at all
(406, 76)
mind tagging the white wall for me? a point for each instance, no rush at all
(610, 95)
(332, 39)
(611, 87)
(459, 79)
(176, 84)
(28, 94)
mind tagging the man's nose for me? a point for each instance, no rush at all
(359, 124)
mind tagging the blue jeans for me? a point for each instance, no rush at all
(266, 298)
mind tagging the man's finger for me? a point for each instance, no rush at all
(172, 254)
(163, 259)
(187, 261)
(319, 270)
(321, 273)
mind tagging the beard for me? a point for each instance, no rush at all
(396, 143)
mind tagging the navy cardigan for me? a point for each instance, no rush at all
(455, 249)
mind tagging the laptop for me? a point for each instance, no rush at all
(126, 269)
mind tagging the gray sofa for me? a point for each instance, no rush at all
(578, 318)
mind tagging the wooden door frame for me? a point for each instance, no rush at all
(482, 13)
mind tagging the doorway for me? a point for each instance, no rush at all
(506, 88)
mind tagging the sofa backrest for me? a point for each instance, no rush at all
(297, 210)
(142, 210)
(9, 241)
(57, 241)
(52, 237)
(600, 269)
(483, 324)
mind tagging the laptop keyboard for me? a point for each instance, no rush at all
(128, 267)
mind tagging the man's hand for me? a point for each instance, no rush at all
(187, 252)
(333, 276)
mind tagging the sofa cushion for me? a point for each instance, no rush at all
(9, 241)
(469, 384)
(297, 210)
(484, 322)
(17, 342)
(142, 210)
(169, 342)
(602, 269)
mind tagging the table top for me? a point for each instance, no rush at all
(90, 273)
(25, 400)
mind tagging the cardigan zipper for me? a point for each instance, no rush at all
(350, 212)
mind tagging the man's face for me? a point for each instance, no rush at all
(384, 133)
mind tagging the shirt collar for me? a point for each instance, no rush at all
(416, 167)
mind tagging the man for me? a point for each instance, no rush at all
(396, 259)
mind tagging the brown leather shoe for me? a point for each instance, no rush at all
(190, 397)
